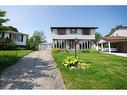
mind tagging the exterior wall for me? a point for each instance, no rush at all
(120, 32)
(6, 35)
(73, 36)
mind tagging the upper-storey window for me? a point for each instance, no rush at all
(73, 31)
(61, 31)
(86, 32)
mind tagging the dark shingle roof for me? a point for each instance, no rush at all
(73, 27)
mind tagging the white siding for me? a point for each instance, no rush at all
(78, 31)
(73, 36)
(67, 31)
(120, 32)
(54, 31)
(92, 31)
(6, 35)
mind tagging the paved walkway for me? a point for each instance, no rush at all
(34, 71)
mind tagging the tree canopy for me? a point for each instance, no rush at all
(3, 20)
(34, 41)
(97, 37)
(114, 29)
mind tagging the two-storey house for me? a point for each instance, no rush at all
(64, 37)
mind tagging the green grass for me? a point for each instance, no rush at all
(9, 57)
(106, 72)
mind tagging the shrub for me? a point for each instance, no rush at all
(84, 66)
(55, 50)
(94, 51)
(84, 50)
(72, 62)
(88, 51)
(65, 50)
(7, 44)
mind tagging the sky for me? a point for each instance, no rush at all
(27, 19)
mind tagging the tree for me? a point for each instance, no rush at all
(114, 29)
(7, 44)
(3, 20)
(97, 37)
(43, 37)
(35, 40)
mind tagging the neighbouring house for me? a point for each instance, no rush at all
(44, 46)
(115, 41)
(65, 37)
(13, 34)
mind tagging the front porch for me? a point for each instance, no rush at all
(113, 44)
(70, 44)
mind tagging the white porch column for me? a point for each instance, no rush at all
(57, 44)
(109, 47)
(102, 47)
(60, 44)
(81, 45)
(87, 45)
(53, 43)
(97, 48)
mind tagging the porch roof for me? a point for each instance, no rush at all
(114, 38)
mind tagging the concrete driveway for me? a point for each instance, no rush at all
(120, 54)
(34, 71)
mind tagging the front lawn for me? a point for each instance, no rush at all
(9, 57)
(106, 72)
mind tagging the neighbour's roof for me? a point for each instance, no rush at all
(123, 27)
(114, 38)
(118, 28)
(16, 32)
(73, 27)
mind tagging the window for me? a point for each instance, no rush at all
(17, 38)
(86, 32)
(22, 38)
(61, 31)
(73, 31)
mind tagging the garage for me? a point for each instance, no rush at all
(122, 46)
(45, 46)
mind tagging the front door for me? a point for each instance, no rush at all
(72, 44)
